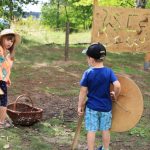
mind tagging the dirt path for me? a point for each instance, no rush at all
(54, 87)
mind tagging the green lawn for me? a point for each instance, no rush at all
(40, 64)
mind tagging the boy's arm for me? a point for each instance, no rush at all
(117, 88)
(82, 100)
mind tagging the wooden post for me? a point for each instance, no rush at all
(147, 61)
(67, 41)
(95, 3)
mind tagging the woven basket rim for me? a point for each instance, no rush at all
(19, 112)
(19, 103)
(15, 111)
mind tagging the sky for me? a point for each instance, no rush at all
(34, 8)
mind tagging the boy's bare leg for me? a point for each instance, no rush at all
(106, 139)
(90, 140)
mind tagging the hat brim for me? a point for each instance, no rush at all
(84, 51)
(17, 37)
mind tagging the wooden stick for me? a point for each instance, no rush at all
(77, 133)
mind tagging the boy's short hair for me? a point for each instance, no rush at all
(96, 51)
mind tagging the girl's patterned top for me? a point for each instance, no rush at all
(5, 66)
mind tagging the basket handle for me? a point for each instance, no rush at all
(18, 98)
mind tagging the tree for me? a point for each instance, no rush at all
(141, 3)
(57, 12)
(57, 3)
(10, 7)
(79, 12)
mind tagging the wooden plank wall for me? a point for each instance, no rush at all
(121, 29)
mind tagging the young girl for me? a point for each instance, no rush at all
(8, 40)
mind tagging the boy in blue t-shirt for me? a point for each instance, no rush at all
(95, 84)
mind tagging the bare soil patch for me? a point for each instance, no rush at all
(36, 81)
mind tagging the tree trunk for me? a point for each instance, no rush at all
(11, 10)
(57, 17)
(140, 3)
(67, 41)
(84, 20)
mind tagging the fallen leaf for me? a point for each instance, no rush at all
(2, 136)
(6, 146)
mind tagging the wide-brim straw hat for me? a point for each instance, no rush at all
(128, 109)
(10, 31)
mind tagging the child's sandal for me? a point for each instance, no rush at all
(4, 125)
(1, 125)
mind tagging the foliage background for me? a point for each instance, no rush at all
(55, 13)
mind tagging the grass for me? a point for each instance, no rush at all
(33, 30)
(61, 91)
(40, 58)
(32, 138)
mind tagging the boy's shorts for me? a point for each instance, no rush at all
(3, 98)
(95, 120)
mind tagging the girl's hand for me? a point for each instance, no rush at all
(80, 111)
(8, 83)
(113, 96)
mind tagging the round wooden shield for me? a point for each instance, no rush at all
(127, 110)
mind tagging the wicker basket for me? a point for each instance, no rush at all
(22, 113)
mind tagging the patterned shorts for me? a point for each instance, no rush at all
(3, 98)
(95, 120)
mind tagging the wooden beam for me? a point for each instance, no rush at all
(95, 4)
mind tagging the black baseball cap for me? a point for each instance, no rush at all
(96, 51)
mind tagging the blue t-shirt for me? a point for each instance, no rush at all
(98, 81)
